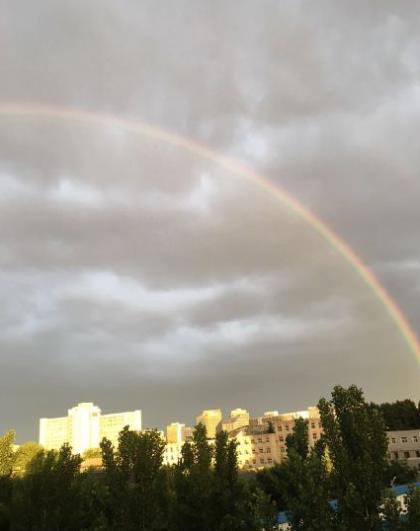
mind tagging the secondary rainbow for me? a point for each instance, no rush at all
(238, 168)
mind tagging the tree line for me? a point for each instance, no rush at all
(340, 484)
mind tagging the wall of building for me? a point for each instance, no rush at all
(404, 445)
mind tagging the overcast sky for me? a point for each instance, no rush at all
(135, 274)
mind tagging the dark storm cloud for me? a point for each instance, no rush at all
(132, 272)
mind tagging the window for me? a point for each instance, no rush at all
(262, 460)
(254, 461)
(417, 453)
(287, 427)
(267, 439)
(404, 439)
(279, 428)
(261, 450)
(395, 455)
(259, 439)
(406, 455)
(281, 438)
(393, 440)
(415, 439)
(313, 425)
(268, 450)
(314, 436)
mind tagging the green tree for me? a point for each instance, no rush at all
(7, 455)
(413, 509)
(297, 441)
(24, 455)
(392, 513)
(194, 484)
(301, 483)
(398, 473)
(92, 453)
(400, 415)
(136, 480)
(226, 501)
(354, 433)
(46, 497)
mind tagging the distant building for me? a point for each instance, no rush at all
(212, 420)
(84, 427)
(404, 445)
(239, 418)
(175, 433)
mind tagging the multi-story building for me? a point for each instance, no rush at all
(84, 427)
(172, 453)
(239, 418)
(404, 445)
(212, 420)
(175, 432)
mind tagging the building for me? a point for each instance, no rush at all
(85, 427)
(239, 418)
(175, 433)
(263, 442)
(172, 453)
(212, 420)
(404, 445)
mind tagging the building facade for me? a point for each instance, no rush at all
(212, 420)
(85, 427)
(404, 445)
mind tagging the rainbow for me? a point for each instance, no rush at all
(237, 168)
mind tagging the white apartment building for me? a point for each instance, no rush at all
(85, 427)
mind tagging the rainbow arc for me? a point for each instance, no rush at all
(236, 167)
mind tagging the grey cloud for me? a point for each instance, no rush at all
(133, 271)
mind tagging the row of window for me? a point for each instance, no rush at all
(404, 440)
(404, 455)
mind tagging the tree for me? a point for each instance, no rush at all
(136, 481)
(24, 455)
(297, 441)
(92, 453)
(226, 500)
(400, 415)
(355, 436)
(392, 513)
(194, 484)
(46, 497)
(413, 509)
(398, 473)
(7, 455)
(301, 483)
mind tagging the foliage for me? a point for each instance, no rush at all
(354, 433)
(92, 453)
(24, 455)
(6, 453)
(413, 509)
(136, 481)
(398, 473)
(392, 513)
(400, 415)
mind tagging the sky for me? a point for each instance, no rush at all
(138, 274)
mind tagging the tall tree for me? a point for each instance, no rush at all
(7, 455)
(400, 415)
(24, 455)
(354, 433)
(136, 481)
(194, 484)
(413, 509)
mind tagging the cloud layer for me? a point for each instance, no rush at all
(135, 274)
